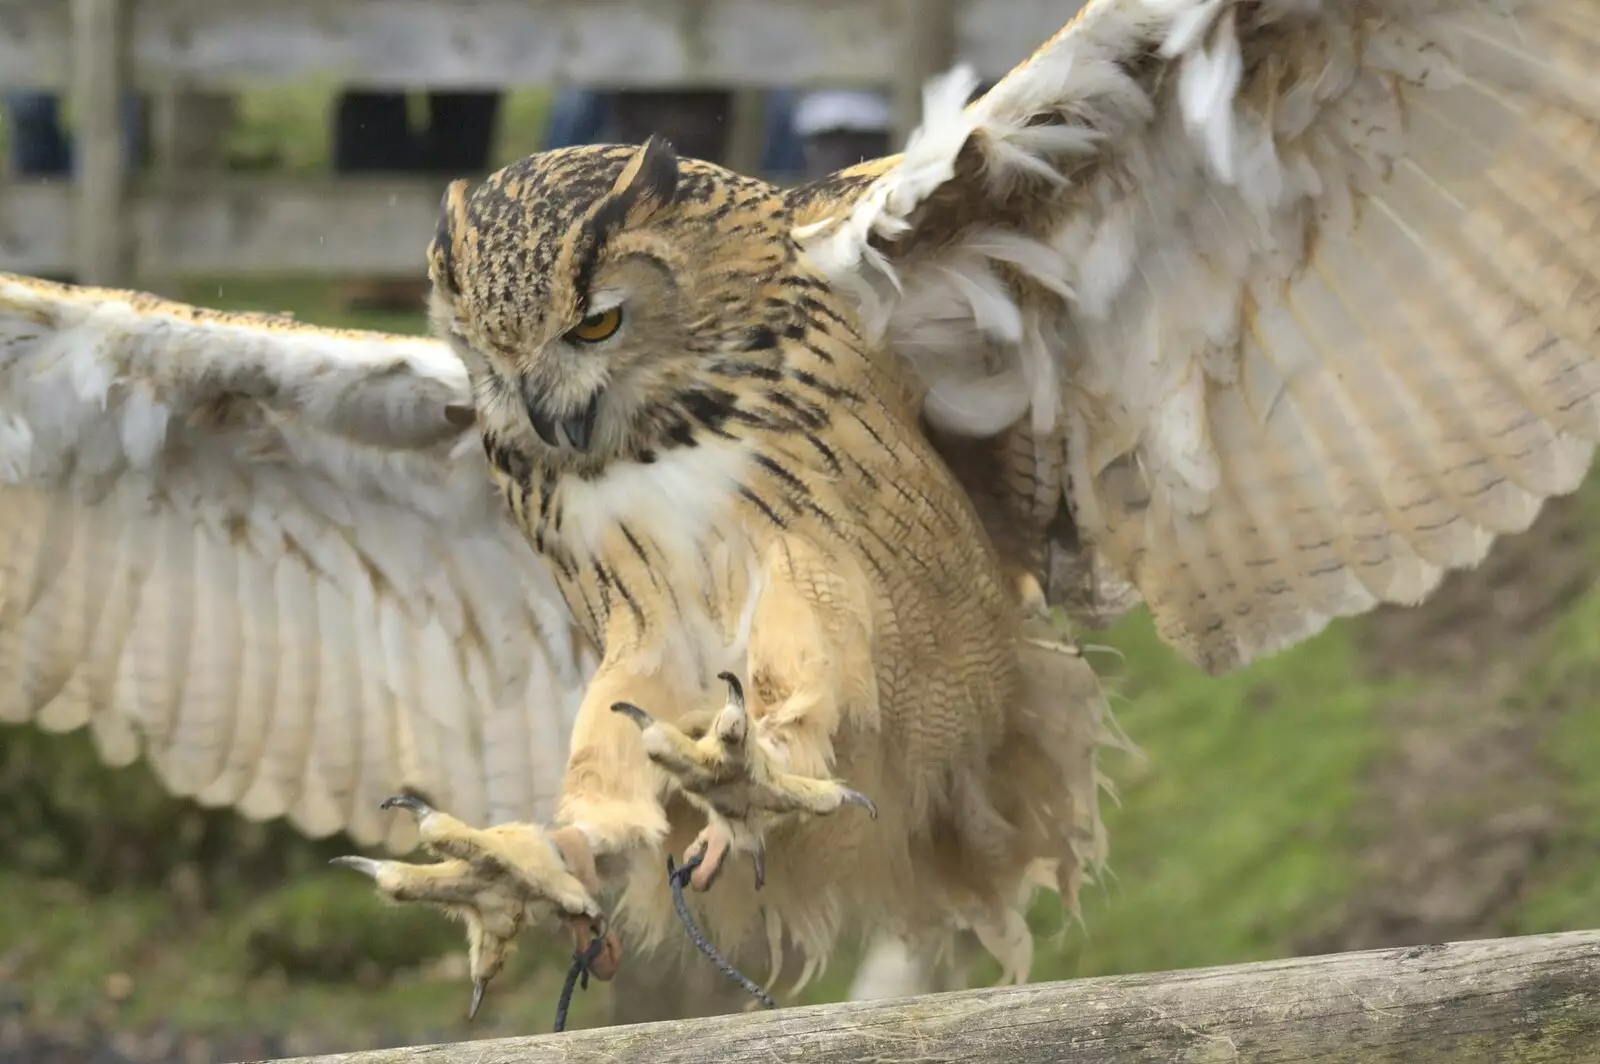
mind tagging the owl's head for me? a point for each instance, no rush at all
(610, 301)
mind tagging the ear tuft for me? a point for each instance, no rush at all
(647, 185)
(650, 180)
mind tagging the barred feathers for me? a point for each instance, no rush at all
(1319, 288)
(259, 555)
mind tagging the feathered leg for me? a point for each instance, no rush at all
(493, 880)
(736, 783)
(754, 767)
(497, 878)
(810, 661)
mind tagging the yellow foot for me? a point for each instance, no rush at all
(496, 880)
(736, 782)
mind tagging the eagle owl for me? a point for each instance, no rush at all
(739, 522)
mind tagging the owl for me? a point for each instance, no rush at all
(750, 526)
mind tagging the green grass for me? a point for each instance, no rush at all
(1239, 836)
(219, 924)
(1230, 833)
(1567, 678)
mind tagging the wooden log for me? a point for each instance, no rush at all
(99, 67)
(1502, 1000)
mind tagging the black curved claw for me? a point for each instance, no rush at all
(365, 865)
(478, 987)
(851, 797)
(735, 688)
(406, 801)
(633, 713)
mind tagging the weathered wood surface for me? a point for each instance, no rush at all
(1502, 1000)
(503, 43)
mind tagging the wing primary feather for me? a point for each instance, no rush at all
(274, 783)
(160, 659)
(332, 736)
(1321, 283)
(125, 547)
(254, 609)
(202, 729)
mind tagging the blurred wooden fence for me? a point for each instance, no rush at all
(1501, 1000)
(107, 228)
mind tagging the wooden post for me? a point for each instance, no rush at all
(1498, 1000)
(928, 48)
(99, 60)
(188, 126)
(748, 127)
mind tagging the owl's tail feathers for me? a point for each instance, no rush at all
(1043, 784)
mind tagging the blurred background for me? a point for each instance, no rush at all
(1409, 777)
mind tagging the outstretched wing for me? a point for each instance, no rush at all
(1274, 309)
(269, 556)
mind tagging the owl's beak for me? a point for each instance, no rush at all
(580, 427)
(577, 429)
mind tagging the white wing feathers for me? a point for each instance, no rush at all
(1311, 287)
(269, 557)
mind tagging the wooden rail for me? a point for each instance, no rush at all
(219, 227)
(95, 50)
(502, 43)
(1501, 1000)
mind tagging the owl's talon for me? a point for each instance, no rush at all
(365, 865)
(634, 713)
(416, 806)
(853, 797)
(495, 880)
(737, 783)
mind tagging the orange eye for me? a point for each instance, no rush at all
(597, 327)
